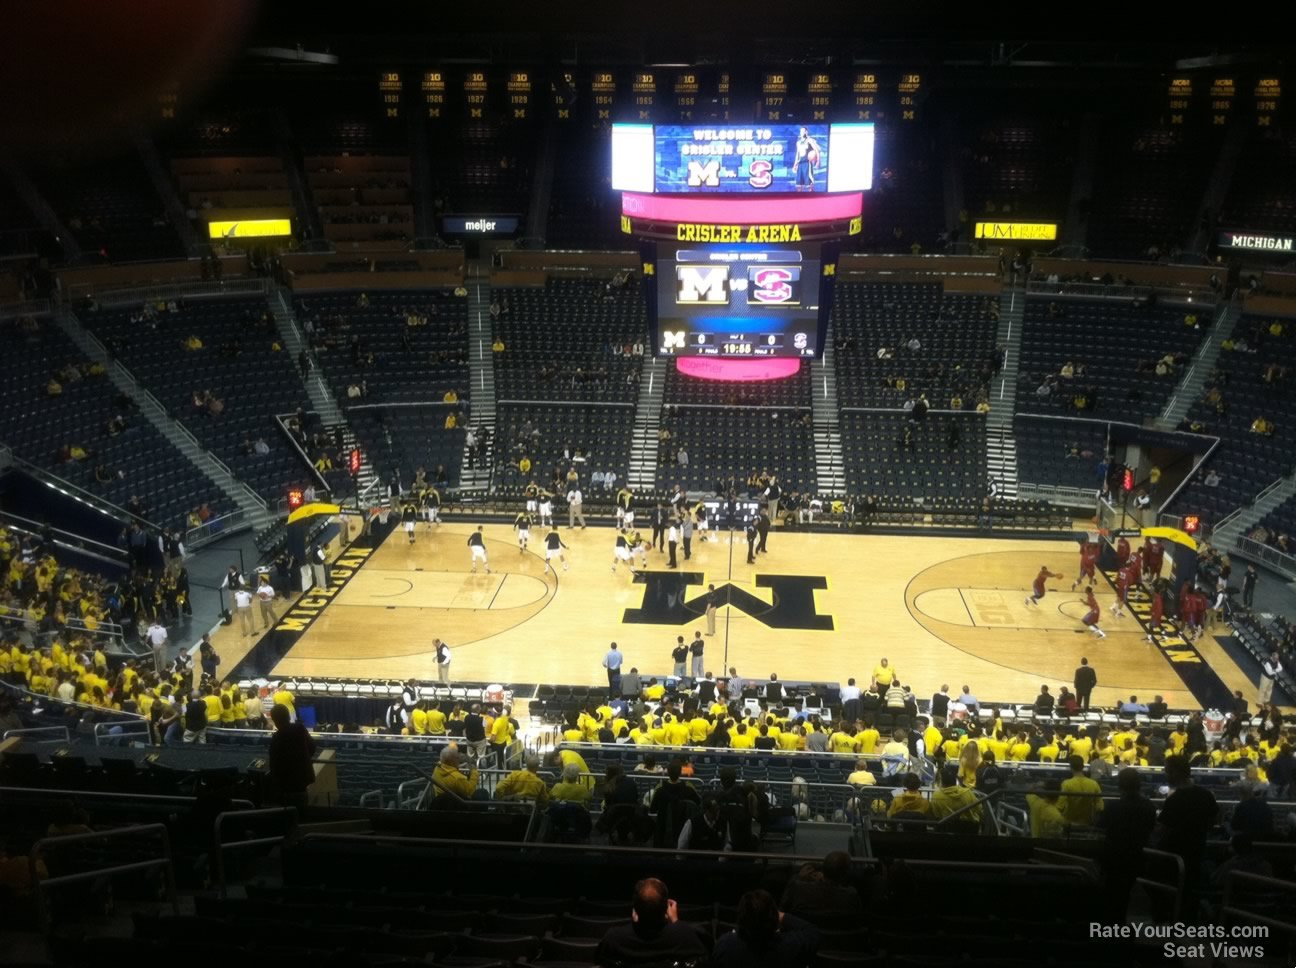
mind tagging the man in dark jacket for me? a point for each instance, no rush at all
(1085, 680)
(292, 752)
(655, 934)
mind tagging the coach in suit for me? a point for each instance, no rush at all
(762, 527)
(752, 534)
(1085, 680)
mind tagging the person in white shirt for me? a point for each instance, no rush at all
(1268, 675)
(243, 605)
(66, 690)
(265, 594)
(157, 640)
(574, 499)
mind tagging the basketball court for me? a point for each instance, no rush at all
(817, 607)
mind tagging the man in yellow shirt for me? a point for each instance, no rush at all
(792, 738)
(450, 776)
(742, 738)
(1020, 748)
(699, 729)
(654, 691)
(1075, 806)
(418, 719)
(951, 798)
(436, 721)
(862, 776)
(1046, 820)
(677, 732)
(842, 741)
(524, 784)
(883, 675)
(911, 801)
(570, 789)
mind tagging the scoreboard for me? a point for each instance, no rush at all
(756, 158)
(738, 301)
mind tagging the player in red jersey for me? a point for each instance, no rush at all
(1153, 558)
(1158, 609)
(1089, 551)
(1091, 616)
(1127, 576)
(1037, 588)
(1122, 552)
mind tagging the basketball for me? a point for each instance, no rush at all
(813, 157)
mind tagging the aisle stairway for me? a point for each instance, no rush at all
(1001, 444)
(644, 445)
(830, 466)
(475, 470)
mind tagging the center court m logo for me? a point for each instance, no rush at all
(792, 607)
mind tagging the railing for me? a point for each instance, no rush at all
(125, 732)
(168, 291)
(1255, 886)
(216, 528)
(48, 733)
(76, 493)
(1250, 548)
(282, 420)
(41, 885)
(1096, 290)
(1174, 889)
(29, 307)
(73, 541)
(219, 846)
(1221, 310)
(1086, 497)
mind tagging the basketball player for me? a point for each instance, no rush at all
(409, 514)
(1158, 609)
(1088, 559)
(477, 543)
(1091, 616)
(622, 552)
(1122, 551)
(522, 525)
(624, 508)
(1037, 588)
(639, 545)
(1153, 558)
(1126, 576)
(703, 525)
(532, 494)
(432, 505)
(554, 548)
(546, 508)
(805, 161)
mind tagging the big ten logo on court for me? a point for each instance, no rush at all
(773, 285)
(704, 175)
(990, 608)
(792, 604)
(707, 285)
(760, 174)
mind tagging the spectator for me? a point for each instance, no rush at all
(1044, 702)
(1186, 817)
(706, 830)
(911, 803)
(655, 934)
(570, 789)
(291, 756)
(765, 937)
(1082, 801)
(195, 719)
(1046, 820)
(950, 798)
(823, 893)
(449, 777)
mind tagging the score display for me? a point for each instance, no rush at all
(752, 159)
(738, 301)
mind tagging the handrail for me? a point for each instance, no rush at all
(1177, 888)
(656, 852)
(101, 505)
(40, 885)
(29, 526)
(404, 803)
(282, 420)
(367, 797)
(1267, 885)
(63, 730)
(111, 795)
(127, 729)
(219, 847)
(1250, 548)
(181, 290)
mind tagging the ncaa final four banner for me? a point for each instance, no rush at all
(757, 158)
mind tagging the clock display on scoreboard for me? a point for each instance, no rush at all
(738, 301)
